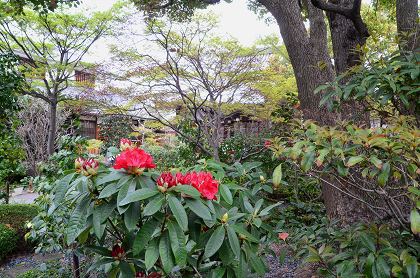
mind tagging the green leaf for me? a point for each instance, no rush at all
(257, 264)
(415, 221)
(152, 254)
(384, 174)
(214, 243)
(112, 176)
(179, 212)
(154, 205)
(178, 243)
(186, 189)
(233, 241)
(138, 195)
(62, 187)
(277, 175)
(307, 160)
(77, 219)
(165, 253)
(131, 216)
(266, 210)
(382, 267)
(144, 235)
(125, 189)
(368, 242)
(225, 193)
(354, 160)
(112, 188)
(126, 271)
(199, 209)
(376, 161)
(100, 250)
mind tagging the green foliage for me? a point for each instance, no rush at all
(372, 252)
(17, 215)
(11, 81)
(43, 6)
(389, 86)
(169, 230)
(384, 159)
(167, 157)
(8, 241)
(51, 269)
(69, 148)
(114, 127)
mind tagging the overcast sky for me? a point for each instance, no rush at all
(236, 20)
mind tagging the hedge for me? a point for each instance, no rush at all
(8, 241)
(16, 215)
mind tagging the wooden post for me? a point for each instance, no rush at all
(76, 265)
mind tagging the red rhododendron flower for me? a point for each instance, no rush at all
(166, 179)
(202, 181)
(125, 144)
(283, 236)
(117, 252)
(205, 183)
(134, 161)
(151, 275)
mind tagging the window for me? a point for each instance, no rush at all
(84, 77)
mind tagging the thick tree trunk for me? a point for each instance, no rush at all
(407, 24)
(308, 54)
(52, 128)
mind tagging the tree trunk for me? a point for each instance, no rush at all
(52, 128)
(407, 25)
(308, 54)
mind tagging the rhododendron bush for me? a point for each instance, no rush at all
(141, 223)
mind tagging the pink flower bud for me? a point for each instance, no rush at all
(90, 167)
(125, 144)
(78, 164)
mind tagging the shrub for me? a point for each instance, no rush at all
(8, 241)
(17, 215)
(180, 224)
(51, 269)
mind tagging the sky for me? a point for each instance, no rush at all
(236, 20)
(232, 23)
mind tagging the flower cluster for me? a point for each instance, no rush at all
(202, 181)
(134, 161)
(117, 252)
(88, 167)
(151, 275)
(125, 144)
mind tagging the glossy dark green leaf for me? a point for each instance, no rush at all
(226, 194)
(179, 212)
(215, 241)
(201, 210)
(113, 188)
(144, 235)
(131, 216)
(178, 243)
(165, 253)
(186, 189)
(152, 254)
(154, 205)
(233, 241)
(138, 195)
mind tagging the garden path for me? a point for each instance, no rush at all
(20, 196)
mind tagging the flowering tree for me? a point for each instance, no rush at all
(175, 224)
